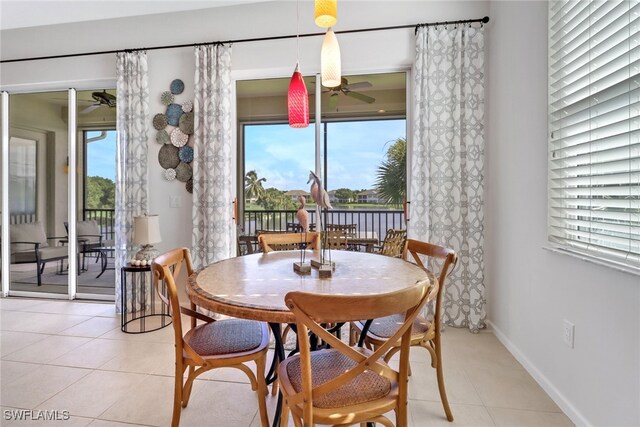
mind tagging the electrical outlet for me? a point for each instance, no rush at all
(568, 330)
(174, 201)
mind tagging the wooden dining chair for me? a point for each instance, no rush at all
(393, 243)
(425, 333)
(288, 241)
(345, 385)
(215, 344)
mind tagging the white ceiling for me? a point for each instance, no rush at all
(33, 13)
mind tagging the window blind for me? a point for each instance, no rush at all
(594, 127)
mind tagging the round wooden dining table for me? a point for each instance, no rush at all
(254, 286)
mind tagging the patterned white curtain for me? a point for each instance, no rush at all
(447, 161)
(131, 157)
(213, 228)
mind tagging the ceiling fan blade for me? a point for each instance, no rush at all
(359, 85)
(333, 101)
(90, 108)
(360, 96)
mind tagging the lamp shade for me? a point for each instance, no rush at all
(330, 60)
(146, 230)
(298, 101)
(326, 13)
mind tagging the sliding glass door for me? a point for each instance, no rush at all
(40, 253)
(359, 150)
(58, 188)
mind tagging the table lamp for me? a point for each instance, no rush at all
(146, 231)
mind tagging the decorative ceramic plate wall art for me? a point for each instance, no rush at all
(176, 87)
(184, 172)
(169, 174)
(159, 121)
(175, 130)
(168, 156)
(166, 98)
(186, 123)
(179, 138)
(174, 111)
(186, 154)
(162, 137)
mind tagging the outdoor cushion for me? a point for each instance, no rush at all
(88, 231)
(30, 232)
(46, 254)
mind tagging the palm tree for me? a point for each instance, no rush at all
(253, 186)
(391, 180)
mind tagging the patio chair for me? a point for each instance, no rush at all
(215, 344)
(345, 385)
(288, 241)
(335, 240)
(393, 243)
(425, 333)
(29, 244)
(294, 227)
(350, 229)
(89, 239)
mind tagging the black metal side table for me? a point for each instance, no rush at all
(144, 309)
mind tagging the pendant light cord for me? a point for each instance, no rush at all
(297, 33)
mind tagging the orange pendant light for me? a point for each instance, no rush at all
(326, 13)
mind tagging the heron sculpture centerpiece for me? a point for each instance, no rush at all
(302, 267)
(322, 200)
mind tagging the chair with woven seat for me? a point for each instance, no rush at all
(214, 344)
(393, 243)
(425, 333)
(288, 241)
(345, 385)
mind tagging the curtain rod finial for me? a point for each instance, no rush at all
(485, 19)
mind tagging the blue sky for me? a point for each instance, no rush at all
(285, 155)
(101, 156)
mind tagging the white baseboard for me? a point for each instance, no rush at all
(560, 399)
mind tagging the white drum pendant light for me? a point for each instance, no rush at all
(330, 60)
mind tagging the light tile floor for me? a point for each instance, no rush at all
(71, 356)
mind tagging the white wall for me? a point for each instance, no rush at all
(361, 53)
(531, 290)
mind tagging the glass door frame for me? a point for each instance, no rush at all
(71, 205)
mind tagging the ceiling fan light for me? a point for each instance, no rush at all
(298, 101)
(330, 65)
(326, 13)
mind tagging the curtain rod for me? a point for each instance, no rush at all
(258, 39)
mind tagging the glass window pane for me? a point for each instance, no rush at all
(38, 192)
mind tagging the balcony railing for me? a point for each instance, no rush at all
(366, 220)
(106, 220)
